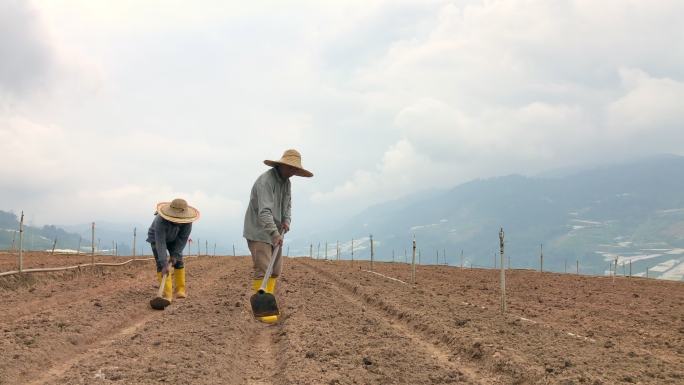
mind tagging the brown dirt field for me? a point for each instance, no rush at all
(341, 325)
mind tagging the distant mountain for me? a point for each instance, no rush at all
(632, 211)
(35, 238)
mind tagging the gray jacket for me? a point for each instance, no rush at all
(269, 207)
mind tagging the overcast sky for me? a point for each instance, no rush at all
(107, 107)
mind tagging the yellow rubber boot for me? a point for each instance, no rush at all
(168, 288)
(179, 281)
(270, 288)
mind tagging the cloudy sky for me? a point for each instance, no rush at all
(107, 107)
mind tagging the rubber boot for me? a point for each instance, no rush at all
(179, 281)
(270, 288)
(168, 288)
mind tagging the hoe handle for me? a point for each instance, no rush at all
(163, 283)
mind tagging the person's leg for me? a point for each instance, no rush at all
(261, 257)
(179, 277)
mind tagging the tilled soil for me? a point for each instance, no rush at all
(341, 324)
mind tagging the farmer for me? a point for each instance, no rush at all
(268, 217)
(170, 231)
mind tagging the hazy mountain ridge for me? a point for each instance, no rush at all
(590, 216)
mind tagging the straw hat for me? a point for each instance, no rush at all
(178, 211)
(291, 158)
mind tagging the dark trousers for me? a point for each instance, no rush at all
(178, 264)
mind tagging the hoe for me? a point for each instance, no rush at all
(160, 303)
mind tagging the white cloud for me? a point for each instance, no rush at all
(130, 103)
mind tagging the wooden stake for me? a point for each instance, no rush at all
(541, 258)
(214, 249)
(326, 250)
(392, 255)
(337, 250)
(206, 247)
(311, 250)
(54, 244)
(78, 250)
(461, 259)
(503, 272)
(444, 256)
(630, 268)
(135, 236)
(116, 249)
(577, 267)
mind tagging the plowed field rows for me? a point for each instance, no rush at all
(341, 324)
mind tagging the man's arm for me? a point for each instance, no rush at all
(265, 203)
(287, 208)
(160, 239)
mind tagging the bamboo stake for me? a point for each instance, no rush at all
(14, 237)
(311, 250)
(233, 249)
(503, 272)
(541, 258)
(214, 249)
(337, 250)
(372, 252)
(352, 251)
(135, 236)
(461, 259)
(21, 242)
(413, 261)
(92, 243)
(54, 244)
(326, 250)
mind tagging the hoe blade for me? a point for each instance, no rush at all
(264, 304)
(159, 303)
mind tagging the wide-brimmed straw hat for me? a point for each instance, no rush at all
(291, 158)
(178, 211)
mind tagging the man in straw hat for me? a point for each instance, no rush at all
(170, 231)
(268, 216)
